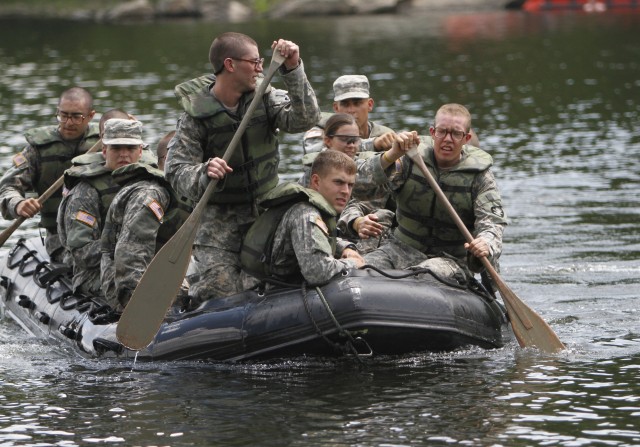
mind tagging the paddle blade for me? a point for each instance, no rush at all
(157, 289)
(529, 328)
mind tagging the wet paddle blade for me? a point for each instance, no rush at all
(159, 287)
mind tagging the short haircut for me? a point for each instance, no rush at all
(77, 94)
(161, 150)
(336, 121)
(112, 113)
(455, 110)
(228, 45)
(327, 160)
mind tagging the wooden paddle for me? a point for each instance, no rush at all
(529, 327)
(6, 234)
(160, 283)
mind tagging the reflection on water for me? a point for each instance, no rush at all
(554, 100)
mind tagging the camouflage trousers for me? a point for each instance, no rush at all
(216, 273)
(54, 248)
(398, 255)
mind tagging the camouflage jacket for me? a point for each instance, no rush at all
(128, 241)
(301, 244)
(294, 110)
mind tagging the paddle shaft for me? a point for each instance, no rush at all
(522, 317)
(159, 285)
(6, 234)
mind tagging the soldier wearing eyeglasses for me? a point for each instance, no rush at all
(48, 153)
(213, 108)
(426, 235)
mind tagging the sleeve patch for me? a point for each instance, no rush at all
(320, 224)
(19, 159)
(86, 218)
(313, 133)
(156, 209)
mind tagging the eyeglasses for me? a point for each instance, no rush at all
(347, 139)
(257, 62)
(76, 118)
(441, 133)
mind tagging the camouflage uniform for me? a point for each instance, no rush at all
(36, 168)
(81, 218)
(479, 205)
(219, 237)
(365, 200)
(301, 244)
(295, 239)
(128, 242)
(357, 208)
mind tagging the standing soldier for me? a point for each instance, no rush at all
(213, 109)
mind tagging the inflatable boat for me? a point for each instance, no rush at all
(362, 313)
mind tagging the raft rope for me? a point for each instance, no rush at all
(350, 340)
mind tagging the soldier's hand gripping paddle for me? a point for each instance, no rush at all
(160, 283)
(529, 327)
(6, 234)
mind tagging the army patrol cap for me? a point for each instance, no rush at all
(122, 131)
(351, 86)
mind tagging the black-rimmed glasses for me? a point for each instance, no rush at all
(441, 133)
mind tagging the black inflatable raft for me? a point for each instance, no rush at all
(362, 312)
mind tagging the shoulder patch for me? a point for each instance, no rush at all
(317, 220)
(19, 159)
(313, 133)
(86, 218)
(65, 191)
(498, 211)
(156, 209)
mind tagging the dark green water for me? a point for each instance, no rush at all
(556, 101)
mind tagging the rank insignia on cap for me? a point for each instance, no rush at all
(156, 209)
(320, 223)
(19, 159)
(86, 218)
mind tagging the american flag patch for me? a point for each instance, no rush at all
(86, 218)
(156, 209)
(19, 159)
(320, 223)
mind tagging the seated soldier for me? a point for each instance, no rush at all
(129, 238)
(91, 189)
(295, 239)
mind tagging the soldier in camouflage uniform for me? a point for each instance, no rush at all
(42, 162)
(91, 190)
(301, 223)
(212, 114)
(341, 133)
(351, 95)
(129, 239)
(426, 235)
